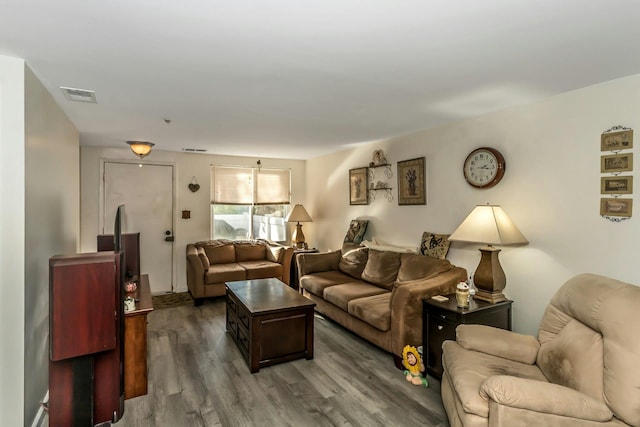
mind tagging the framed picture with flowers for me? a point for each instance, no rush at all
(359, 186)
(412, 183)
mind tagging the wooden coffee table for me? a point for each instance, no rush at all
(270, 322)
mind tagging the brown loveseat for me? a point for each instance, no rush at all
(377, 294)
(582, 370)
(212, 263)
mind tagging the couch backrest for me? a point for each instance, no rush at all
(219, 251)
(589, 342)
(381, 268)
(417, 266)
(250, 251)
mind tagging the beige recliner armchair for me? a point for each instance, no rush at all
(582, 370)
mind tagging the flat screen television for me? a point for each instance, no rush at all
(117, 230)
(128, 243)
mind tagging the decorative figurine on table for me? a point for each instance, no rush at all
(412, 361)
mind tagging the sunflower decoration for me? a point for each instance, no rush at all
(412, 361)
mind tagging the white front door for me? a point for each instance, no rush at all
(146, 191)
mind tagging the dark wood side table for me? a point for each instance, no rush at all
(294, 280)
(440, 319)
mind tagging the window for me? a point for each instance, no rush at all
(249, 203)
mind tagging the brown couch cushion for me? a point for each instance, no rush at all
(203, 257)
(382, 268)
(218, 273)
(220, 252)
(415, 266)
(354, 261)
(318, 282)
(375, 310)
(248, 251)
(340, 295)
(262, 269)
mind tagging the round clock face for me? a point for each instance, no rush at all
(484, 167)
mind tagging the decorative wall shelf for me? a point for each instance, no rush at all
(387, 170)
(387, 193)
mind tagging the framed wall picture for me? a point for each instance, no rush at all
(616, 207)
(412, 186)
(358, 186)
(616, 185)
(614, 141)
(616, 163)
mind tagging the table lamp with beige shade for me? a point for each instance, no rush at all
(298, 214)
(489, 224)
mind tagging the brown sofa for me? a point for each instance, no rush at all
(212, 263)
(581, 370)
(376, 294)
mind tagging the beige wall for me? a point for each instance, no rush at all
(40, 217)
(12, 226)
(551, 190)
(52, 221)
(187, 165)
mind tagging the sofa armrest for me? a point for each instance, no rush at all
(543, 398)
(285, 261)
(406, 305)
(195, 272)
(316, 262)
(498, 342)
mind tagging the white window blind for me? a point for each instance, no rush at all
(232, 185)
(272, 187)
(242, 186)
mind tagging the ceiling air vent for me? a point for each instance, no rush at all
(79, 95)
(194, 150)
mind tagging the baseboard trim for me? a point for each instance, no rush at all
(41, 419)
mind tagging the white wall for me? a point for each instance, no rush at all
(12, 227)
(187, 165)
(551, 190)
(52, 215)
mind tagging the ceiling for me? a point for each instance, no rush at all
(302, 78)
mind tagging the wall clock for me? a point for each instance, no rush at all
(484, 167)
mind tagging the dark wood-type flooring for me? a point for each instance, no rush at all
(197, 377)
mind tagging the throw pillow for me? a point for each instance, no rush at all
(382, 268)
(356, 231)
(434, 245)
(274, 253)
(353, 262)
(379, 245)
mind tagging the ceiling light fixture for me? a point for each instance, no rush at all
(140, 148)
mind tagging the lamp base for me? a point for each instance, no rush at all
(491, 297)
(489, 277)
(297, 238)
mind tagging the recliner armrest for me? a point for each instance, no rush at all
(498, 342)
(545, 398)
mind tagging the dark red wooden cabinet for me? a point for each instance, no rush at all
(86, 325)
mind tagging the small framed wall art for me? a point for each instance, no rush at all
(358, 186)
(412, 182)
(616, 207)
(616, 184)
(614, 141)
(615, 163)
